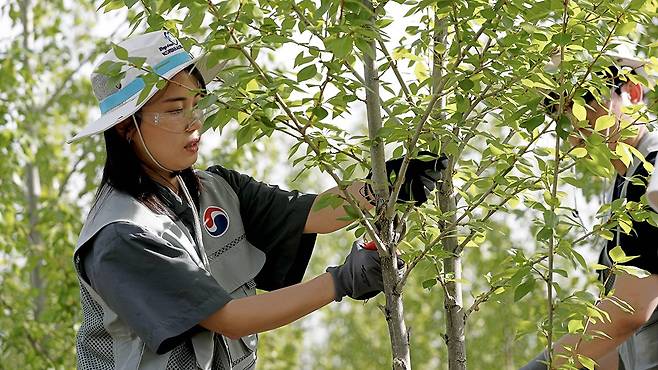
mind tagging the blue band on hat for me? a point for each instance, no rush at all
(138, 84)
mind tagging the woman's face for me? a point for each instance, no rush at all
(170, 132)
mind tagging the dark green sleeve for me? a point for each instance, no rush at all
(274, 221)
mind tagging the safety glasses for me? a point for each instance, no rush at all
(178, 121)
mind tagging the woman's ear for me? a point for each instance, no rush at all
(634, 91)
(125, 129)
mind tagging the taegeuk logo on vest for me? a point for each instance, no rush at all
(216, 221)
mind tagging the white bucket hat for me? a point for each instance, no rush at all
(618, 61)
(164, 53)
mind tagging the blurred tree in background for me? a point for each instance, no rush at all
(43, 97)
(468, 79)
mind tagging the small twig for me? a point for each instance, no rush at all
(482, 298)
(62, 187)
(591, 65)
(396, 71)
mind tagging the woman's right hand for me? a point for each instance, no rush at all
(360, 276)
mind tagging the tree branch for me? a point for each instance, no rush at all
(482, 298)
(299, 127)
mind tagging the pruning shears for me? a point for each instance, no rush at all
(371, 245)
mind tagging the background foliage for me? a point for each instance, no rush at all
(511, 216)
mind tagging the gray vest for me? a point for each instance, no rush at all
(640, 351)
(105, 342)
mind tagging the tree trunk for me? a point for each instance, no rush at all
(32, 184)
(452, 266)
(394, 310)
(453, 301)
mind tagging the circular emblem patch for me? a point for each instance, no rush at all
(216, 221)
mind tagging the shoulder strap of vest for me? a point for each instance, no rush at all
(115, 206)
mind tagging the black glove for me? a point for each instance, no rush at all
(360, 276)
(419, 180)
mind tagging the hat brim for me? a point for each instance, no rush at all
(130, 106)
(627, 62)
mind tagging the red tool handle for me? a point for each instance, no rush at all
(370, 246)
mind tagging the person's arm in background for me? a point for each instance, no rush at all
(639, 293)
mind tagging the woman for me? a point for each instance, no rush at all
(161, 288)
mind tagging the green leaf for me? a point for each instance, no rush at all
(544, 233)
(427, 284)
(626, 28)
(207, 101)
(145, 92)
(110, 5)
(466, 84)
(120, 52)
(587, 362)
(351, 211)
(606, 234)
(104, 3)
(301, 59)
(365, 48)
(137, 61)
(575, 326)
(563, 127)
(598, 266)
(647, 165)
(579, 152)
(275, 39)
(245, 135)
(306, 73)
(625, 224)
(604, 122)
(194, 18)
(561, 39)
(617, 255)
(108, 67)
(523, 289)
(327, 200)
(220, 119)
(624, 154)
(320, 113)
(340, 46)
(579, 111)
(225, 53)
(635, 271)
(533, 122)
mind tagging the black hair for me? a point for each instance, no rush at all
(123, 170)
